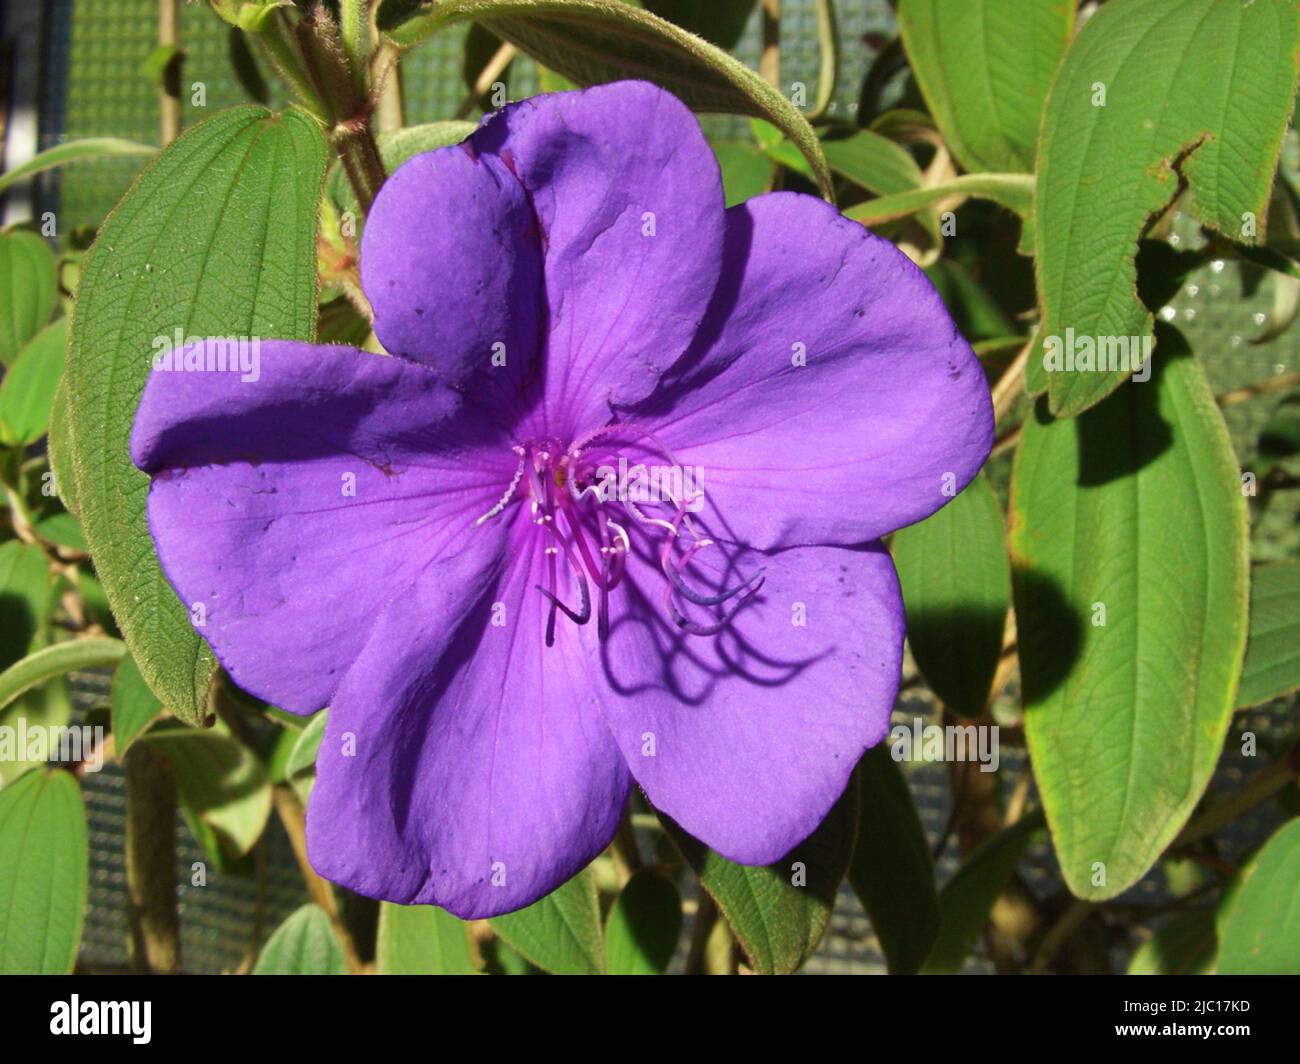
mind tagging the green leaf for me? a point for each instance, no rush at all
(1012, 191)
(1198, 89)
(216, 238)
(1272, 666)
(957, 589)
(984, 67)
(43, 861)
(74, 151)
(44, 707)
(55, 660)
(27, 391)
(780, 911)
(300, 765)
(58, 447)
(746, 169)
(562, 932)
(62, 529)
(422, 940)
(1184, 946)
(1259, 932)
(1129, 563)
(595, 41)
(643, 926)
(162, 65)
(221, 780)
(25, 596)
(881, 166)
(876, 163)
(967, 898)
(133, 706)
(26, 290)
(891, 872)
(305, 944)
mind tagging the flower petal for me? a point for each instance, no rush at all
(889, 418)
(289, 509)
(482, 775)
(451, 264)
(748, 738)
(629, 200)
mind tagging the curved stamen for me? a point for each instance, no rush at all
(675, 570)
(583, 614)
(510, 491)
(691, 627)
(547, 468)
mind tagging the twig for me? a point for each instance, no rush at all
(769, 63)
(1071, 920)
(291, 814)
(1252, 391)
(501, 59)
(170, 101)
(706, 916)
(1259, 788)
(151, 806)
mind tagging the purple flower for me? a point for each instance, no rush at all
(454, 551)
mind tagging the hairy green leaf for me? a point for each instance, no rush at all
(27, 391)
(1272, 666)
(780, 911)
(305, 944)
(55, 660)
(26, 290)
(966, 899)
(562, 932)
(74, 151)
(1259, 932)
(595, 41)
(215, 238)
(43, 862)
(957, 590)
(25, 596)
(984, 67)
(643, 926)
(133, 706)
(891, 872)
(1151, 92)
(422, 940)
(1129, 559)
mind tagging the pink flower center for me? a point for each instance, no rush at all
(591, 498)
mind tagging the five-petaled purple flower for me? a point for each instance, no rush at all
(448, 547)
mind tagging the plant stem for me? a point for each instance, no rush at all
(626, 853)
(769, 63)
(354, 28)
(1059, 933)
(290, 811)
(1259, 788)
(706, 916)
(346, 106)
(281, 46)
(501, 59)
(386, 76)
(362, 163)
(170, 103)
(151, 805)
